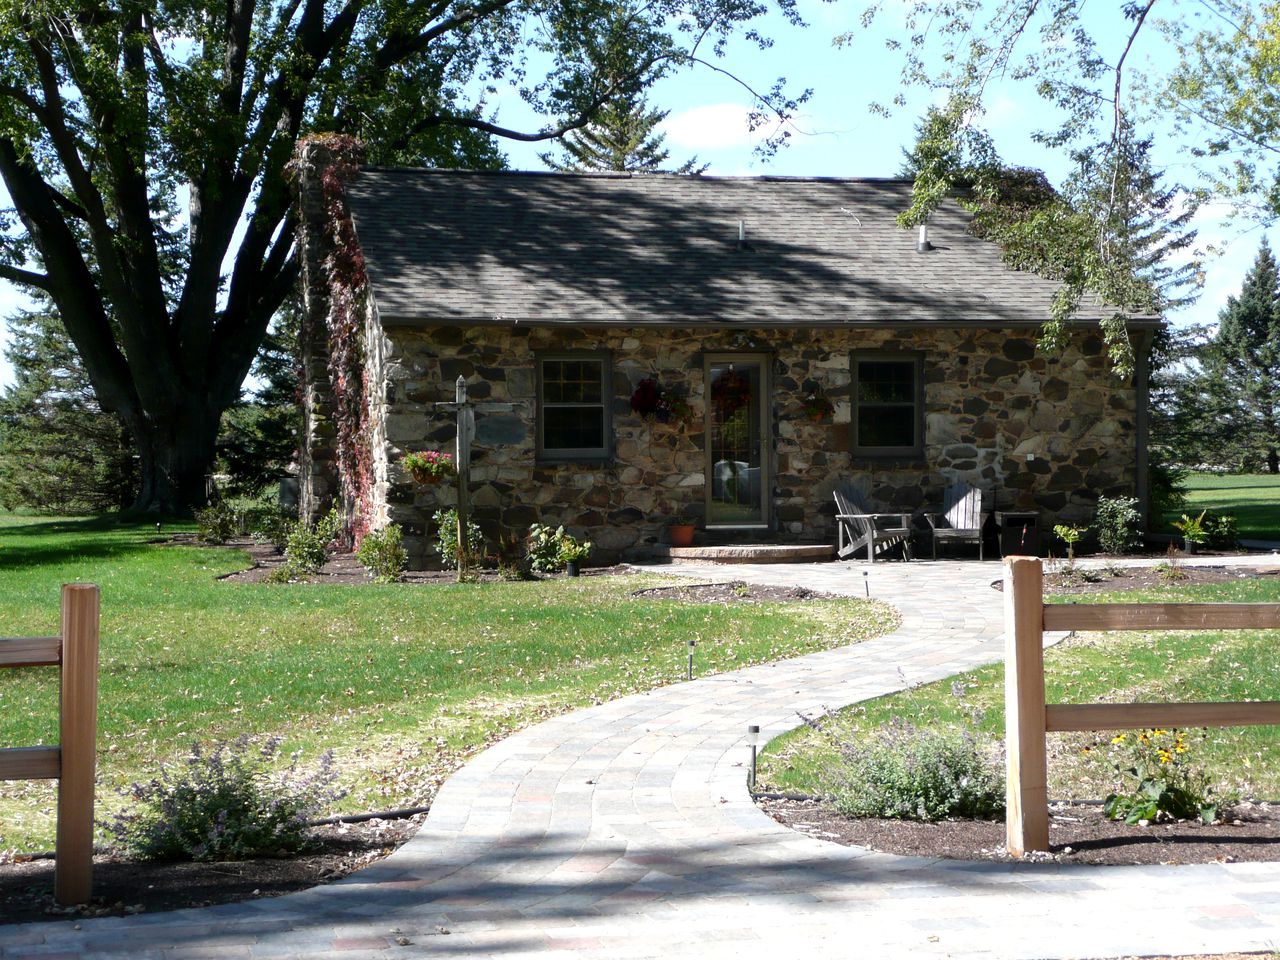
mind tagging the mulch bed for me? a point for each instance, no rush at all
(123, 887)
(1143, 578)
(1078, 833)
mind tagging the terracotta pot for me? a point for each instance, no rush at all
(681, 534)
(424, 476)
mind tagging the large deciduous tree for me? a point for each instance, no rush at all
(144, 144)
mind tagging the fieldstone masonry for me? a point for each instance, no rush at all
(991, 401)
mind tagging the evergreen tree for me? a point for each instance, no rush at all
(259, 436)
(1243, 367)
(60, 452)
(623, 137)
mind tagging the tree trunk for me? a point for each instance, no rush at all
(175, 454)
(1273, 460)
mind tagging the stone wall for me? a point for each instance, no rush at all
(991, 401)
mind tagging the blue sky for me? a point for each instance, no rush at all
(836, 135)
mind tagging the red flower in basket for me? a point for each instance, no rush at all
(429, 466)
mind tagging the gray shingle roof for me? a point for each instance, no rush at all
(465, 247)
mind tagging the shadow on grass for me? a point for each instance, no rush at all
(53, 541)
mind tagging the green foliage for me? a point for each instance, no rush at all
(904, 772)
(1163, 786)
(551, 548)
(226, 804)
(1070, 535)
(103, 124)
(1241, 367)
(622, 137)
(60, 452)
(1166, 486)
(217, 523)
(1192, 528)
(307, 547)
(446, 522)
(381, 552)
(1119, 524)
(259, 435)
(1221, 531)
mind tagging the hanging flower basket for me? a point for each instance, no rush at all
(817, 407)
(429, 466)
(650, 401)
(730, 392)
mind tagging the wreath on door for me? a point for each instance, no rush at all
(730, 392)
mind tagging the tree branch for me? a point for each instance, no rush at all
(25, 278)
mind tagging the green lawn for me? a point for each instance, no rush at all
(402, 681)
(1118, 667)
(1254, 500)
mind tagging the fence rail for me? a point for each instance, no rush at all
(73, 762)
(1028, 718)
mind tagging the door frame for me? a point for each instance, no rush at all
(764, 409)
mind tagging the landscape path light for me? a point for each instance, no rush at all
(692, 644)
(753, 739)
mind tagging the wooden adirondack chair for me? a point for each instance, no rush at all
(858, 527)
(962, 517)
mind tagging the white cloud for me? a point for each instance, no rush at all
(716, 126)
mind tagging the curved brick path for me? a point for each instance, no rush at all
(625, 830)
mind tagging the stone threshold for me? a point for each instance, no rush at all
(747, 553)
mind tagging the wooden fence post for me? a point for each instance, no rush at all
(1027, 817)
(73, 876)
(462, 460)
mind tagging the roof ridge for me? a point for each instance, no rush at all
(630, 175)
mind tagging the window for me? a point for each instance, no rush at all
(888, 405)
(573, 406)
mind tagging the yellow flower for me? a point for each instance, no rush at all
(1142, 737)
(1118, 738)
(1158, 732)
(1164, 755)
(1180, 747)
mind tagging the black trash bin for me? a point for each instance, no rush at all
(1019, 532)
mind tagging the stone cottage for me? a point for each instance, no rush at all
(646, 349)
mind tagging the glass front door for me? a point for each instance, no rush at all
(737, 442)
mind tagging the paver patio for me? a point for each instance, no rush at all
(625, 830)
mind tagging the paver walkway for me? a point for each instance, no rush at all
(626, 830)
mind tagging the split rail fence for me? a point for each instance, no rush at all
(73, 761)
(1028, 718)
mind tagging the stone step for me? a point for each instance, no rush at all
(748, 553)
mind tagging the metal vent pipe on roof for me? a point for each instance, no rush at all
(922, 241)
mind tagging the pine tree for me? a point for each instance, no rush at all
(623, 137)
(1243, 367)
(60, 452)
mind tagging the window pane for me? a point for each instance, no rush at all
(571, 381)
(887, 381)
(572, 428)
(886, 426)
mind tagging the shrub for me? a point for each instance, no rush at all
(217, 523)
(1163, 786)
(550, 550)
(911, 773)
(227, 804)
(513, 557)
(307, 547)
(382, 554)
(446, 522)
(1119, 524)
(544, 548)
(1221, 531)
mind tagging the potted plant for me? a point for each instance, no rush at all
(429, 466)
(573, 553)
(817, 407)
(1192, 530)
(680, 534)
